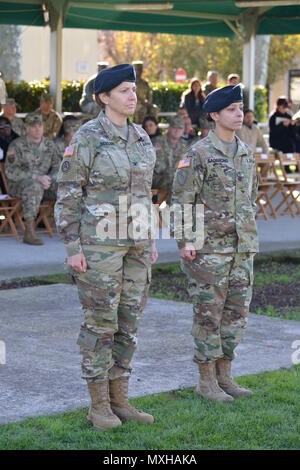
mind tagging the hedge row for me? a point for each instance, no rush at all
(27, 94)
(165, 95)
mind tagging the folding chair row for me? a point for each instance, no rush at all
(9, 210)
(275, 182)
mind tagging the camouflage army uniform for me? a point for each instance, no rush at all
(143, 93)
(221, 275)
(167, 158)
(208, 88)
(17, 125)
(61, 147)
(98, 167)
(52, 123)
(25, 161)
(87, 103)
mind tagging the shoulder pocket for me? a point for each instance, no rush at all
(67, 171)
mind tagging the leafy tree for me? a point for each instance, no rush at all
(283, 55)
(164, 53)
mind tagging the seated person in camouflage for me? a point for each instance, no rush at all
(31, 168)
(52, 121)
(205, 126)
(9, 110)
(87, 102)
(219, 174)
(169, 150)
(66, 134)
(108, 158)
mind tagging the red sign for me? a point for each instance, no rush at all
(180, 76)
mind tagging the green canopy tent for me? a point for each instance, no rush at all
(221, 18)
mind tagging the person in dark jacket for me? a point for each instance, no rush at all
(150, 125)
(282, 128)
(193, 99)
(7, 135)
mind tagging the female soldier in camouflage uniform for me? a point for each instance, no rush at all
(219, 173)
(108, 158)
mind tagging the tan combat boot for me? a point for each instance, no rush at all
(30, 236)
(208, 386)
(226, 382)
(118, 390)
(100, 414)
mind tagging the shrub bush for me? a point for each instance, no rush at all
(27, 94)
(165, 95)
(260, 103)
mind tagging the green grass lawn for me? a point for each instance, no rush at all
(276, 291)
(268, 420)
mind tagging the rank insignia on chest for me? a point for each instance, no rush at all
(69, 152)
(186, 163)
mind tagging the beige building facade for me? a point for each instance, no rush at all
(81, 52)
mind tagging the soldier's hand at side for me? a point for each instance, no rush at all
(45, 181)
(188, 252)
(77, 263)
(154, 254)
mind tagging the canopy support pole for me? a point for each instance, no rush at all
(56, 63)
(249, 68)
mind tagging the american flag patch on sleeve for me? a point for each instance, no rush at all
(186, 163)
(69, 152)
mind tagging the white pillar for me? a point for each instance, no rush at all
(56, 64)
(249, 69)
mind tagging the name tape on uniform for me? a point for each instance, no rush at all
(186, 163)
(69, 152)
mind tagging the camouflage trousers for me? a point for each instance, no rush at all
(31, 194)
(113, 293)
(220, 286)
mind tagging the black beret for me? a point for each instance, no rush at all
(222, 97)
(111, 77)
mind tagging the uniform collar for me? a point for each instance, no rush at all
(32, 144)
(217, 143)
(45, 116)
(133, 132)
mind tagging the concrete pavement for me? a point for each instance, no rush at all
(40, 325)
(19, 260)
